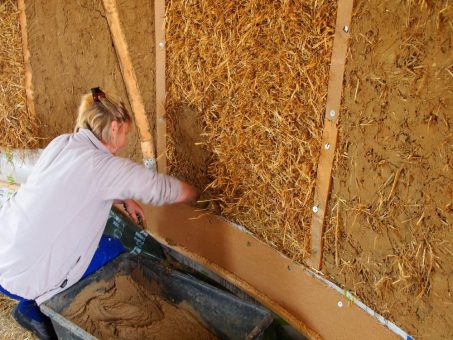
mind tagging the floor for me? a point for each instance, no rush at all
(9, 329)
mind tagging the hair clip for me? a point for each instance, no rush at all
(97, 92)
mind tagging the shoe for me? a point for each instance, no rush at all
(43, 329)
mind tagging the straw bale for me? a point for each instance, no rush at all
(255, 73)
(17, 127)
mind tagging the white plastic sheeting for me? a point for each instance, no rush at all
(15, 167)
(5, 194)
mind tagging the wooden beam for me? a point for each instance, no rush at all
(130, 80)
(329, 137)
(283, 286)
(161, 125)
(27, 66)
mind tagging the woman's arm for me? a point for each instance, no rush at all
(188, 194)
(123, 179)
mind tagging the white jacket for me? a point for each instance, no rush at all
(50, 229)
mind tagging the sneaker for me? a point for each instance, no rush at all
(43, 329)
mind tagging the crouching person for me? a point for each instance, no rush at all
(51, 230)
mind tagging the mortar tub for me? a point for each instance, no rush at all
(222, 313)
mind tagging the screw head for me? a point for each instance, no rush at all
(315, 209)
(150, 164)
(332, 113)
(161, 44)
(340, 304)
(346, 29)
(327, 146)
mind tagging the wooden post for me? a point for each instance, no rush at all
(161, 125)
(329, 137)
(130, 80)
(27, 65)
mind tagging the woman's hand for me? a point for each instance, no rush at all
(135, 211)
(188, 194)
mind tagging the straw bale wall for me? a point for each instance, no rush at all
(389, 234)
(71, 51)
(247, 85)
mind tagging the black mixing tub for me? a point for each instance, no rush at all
(225, 315)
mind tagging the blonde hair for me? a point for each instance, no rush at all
(97, 115)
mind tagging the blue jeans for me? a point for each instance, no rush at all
(108, 249)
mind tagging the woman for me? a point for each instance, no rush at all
(51, 229)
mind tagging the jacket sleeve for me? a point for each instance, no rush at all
(122, 179)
